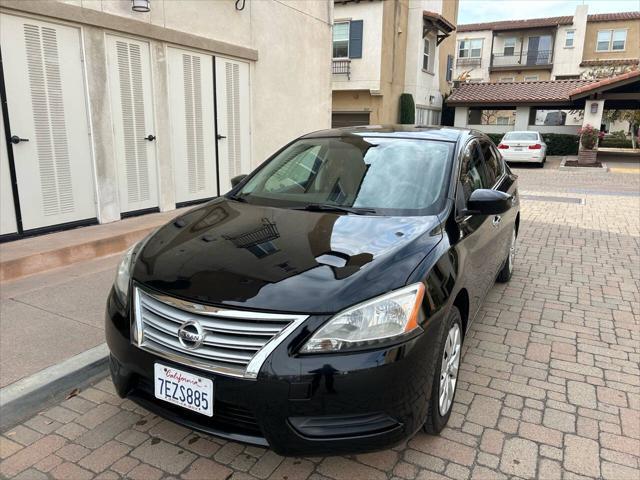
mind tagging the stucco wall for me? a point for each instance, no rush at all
(365, 71)
(566, 60)
(632, 47)
(359, 101)
(518, 75)
(475, 72)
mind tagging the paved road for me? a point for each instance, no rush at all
(549, 385)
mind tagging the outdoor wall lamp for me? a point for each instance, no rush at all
(140, 5)
(594, 107)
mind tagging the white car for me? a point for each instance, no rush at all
(524, 146)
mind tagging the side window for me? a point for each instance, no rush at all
(472, 173)
(493, 163)
(297, 173)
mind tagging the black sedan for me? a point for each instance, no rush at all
(320, 306)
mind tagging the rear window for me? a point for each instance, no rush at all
(533, 136)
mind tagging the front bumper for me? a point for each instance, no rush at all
(298, 405)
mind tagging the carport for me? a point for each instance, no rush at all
(546, 106)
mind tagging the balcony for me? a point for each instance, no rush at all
(528, 60)
(342, 67)
(469, 62)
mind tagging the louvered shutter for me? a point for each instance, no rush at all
(46, 102)
(232, 95)
(132, 110)
(355, 39)
(192, 124)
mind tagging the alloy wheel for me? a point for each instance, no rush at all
(449, 369)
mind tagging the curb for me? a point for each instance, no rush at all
(603, 169)
(26, 397)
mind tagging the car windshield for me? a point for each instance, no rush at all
(380, 175)
(521, 136)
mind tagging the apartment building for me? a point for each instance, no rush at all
(541, 49)
(115, 108)
(384, 48)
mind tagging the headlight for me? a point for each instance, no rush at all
(123, 274)
(380, 320)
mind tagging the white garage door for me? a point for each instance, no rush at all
(7, 211)
(233, 107)
(192, 125)
(131, 93)
(46, 101)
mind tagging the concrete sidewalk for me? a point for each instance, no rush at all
(49, 314)
(37, 254)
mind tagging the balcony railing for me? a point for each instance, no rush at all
(469, 62)
(531, 58)
(342, 67)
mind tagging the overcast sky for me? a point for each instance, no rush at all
(474, 11)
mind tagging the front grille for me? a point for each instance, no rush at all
(235, 342)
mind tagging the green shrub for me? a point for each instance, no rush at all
(618, 134)
(561, 143)
(615, 143)
(407, 109)
(557, 143)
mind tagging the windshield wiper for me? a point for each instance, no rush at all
(318, 207)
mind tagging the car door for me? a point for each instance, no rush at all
(476, 247)
(503, 223)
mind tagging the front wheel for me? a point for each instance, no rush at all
(507, 270)
(445, 380)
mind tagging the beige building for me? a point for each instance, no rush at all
(384, 48)
(118, 107)
(541, 49)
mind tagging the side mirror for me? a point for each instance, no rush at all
(237, 179)
(488, 202)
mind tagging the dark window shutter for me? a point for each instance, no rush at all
(449, 67)
(355, 39)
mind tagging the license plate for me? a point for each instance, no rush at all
(184, 389)
(518, 149)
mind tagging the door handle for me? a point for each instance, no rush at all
(16, 139)
(220, 137)
(496, 220)
(151, 138)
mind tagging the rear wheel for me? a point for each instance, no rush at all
(507, 270)
(445, 380)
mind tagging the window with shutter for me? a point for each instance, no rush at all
(449, 68)
(355, 38)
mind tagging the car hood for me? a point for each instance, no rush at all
(242, 255)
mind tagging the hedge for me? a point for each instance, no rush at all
(557, 143)
(614, 142)
(407, 109)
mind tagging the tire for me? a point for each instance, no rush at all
(507, 269)
(439, 412)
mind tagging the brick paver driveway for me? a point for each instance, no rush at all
(549, 388)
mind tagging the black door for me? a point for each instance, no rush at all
(477, 234)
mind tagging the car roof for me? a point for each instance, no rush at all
(449, 134)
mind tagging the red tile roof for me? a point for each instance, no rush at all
(605, 82)
(546, 22)
(611, 17)
(516, 24)
(438, 20)
(512, 93)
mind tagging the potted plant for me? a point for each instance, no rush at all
(589, 137)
